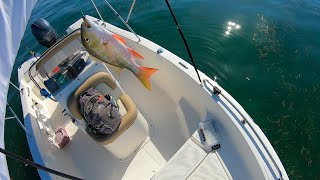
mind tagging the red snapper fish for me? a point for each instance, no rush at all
(112, 49)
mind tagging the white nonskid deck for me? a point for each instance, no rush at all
(85, 158)
(169, 131)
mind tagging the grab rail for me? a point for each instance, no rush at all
(17, 119)
(15, 115)
(216, 91)
(130, 11)
(119, 16)
(97, 10)
(121, 19)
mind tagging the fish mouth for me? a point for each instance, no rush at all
(85, 22)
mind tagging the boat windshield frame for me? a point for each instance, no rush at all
(49, 50)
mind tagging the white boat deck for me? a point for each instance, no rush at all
(172, 110)
(152, 158)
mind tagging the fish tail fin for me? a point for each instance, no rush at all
(144, 76)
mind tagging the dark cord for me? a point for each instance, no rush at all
(38, 166)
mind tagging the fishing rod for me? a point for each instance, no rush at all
(184, 41)
(36, 165)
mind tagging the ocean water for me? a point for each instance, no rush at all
(270, 64)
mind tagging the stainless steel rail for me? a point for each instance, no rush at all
(130, 11)
(18, 120)
(121, 19)
(97, 10)
(119, 16)
(15, 115)
(8, 118)
(245, 120)
(15, 86)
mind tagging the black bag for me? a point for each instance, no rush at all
(75, 66)
(100, 113)
(51, 85)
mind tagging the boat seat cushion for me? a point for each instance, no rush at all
(94, 81)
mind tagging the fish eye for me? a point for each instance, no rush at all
(87, 40)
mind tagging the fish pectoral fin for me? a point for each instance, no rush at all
(135, 53)
(116, 69)
(119, 38)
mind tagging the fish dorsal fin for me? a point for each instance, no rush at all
(116, 69)
(135, 53)
(119, 38)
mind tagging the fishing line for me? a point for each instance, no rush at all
(31, 52)
(81, 8)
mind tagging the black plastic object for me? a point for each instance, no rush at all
(51, 85)
(44, 32)
(215, 147)
(75, 66)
